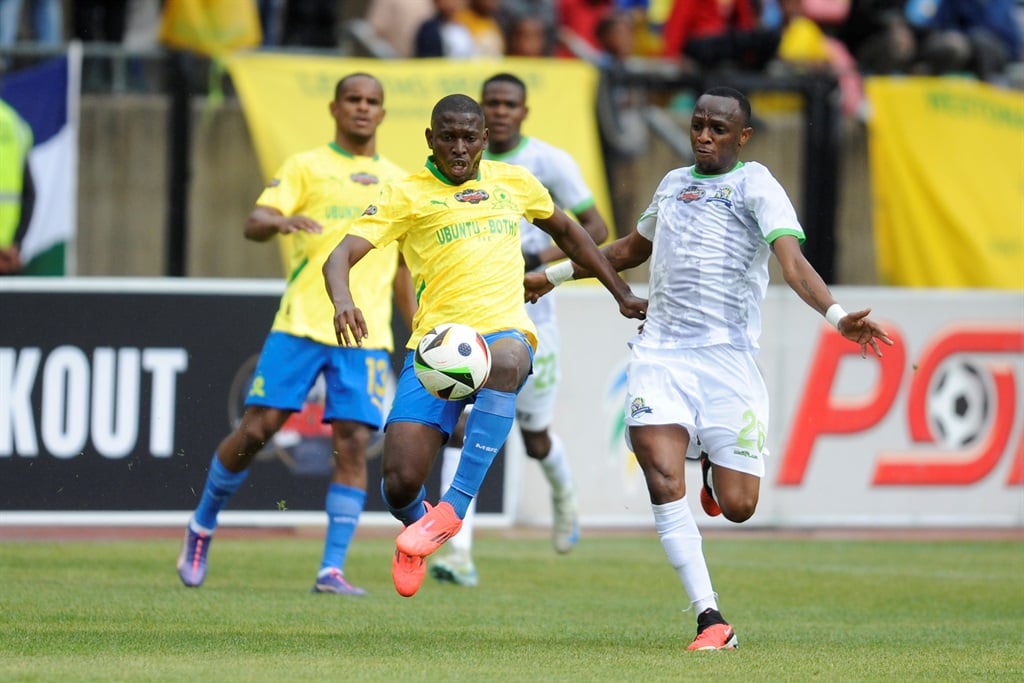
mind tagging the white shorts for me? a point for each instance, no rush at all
(535, 405)
(716, 392)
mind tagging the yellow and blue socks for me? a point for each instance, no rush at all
(344, 505)
(487, 427)
(221, 484)
(461, 542)
(410, 513)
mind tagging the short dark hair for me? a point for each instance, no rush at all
(608, 22)
(455, 104)
(732, 93)
(504, 77)
(358, 74)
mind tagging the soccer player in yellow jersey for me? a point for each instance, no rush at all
(457, 220)
(311, 203)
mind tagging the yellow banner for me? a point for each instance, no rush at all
(285, 99)
(211, 28)
(947, 171)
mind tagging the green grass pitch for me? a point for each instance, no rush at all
(805, 609)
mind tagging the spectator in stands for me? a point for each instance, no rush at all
(977, 36)
(46, 21)
(624, 136)
(311, 23)
(878, 36)
(271, 20)
(806, 48)
(480, 17)
(442, 36)
(648, 20)
(719, 33)
(577, 26)
(397, 21)
(510, 12)
(527, 36)
(99, 20)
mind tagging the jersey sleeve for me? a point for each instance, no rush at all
(286, 189)
(648, 220)
(568, 189)
(537, 200)
(770, 207)
(385, 220)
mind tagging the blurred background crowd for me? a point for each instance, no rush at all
(981, 38)
(653, 58)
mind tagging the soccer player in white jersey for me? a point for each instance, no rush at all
(310, 204)
(708, 233)
(503, 99)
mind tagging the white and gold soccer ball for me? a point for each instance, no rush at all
(452, 361)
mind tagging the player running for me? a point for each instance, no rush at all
(311, 202)
(708, 233)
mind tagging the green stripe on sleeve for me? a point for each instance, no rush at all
(776, 234)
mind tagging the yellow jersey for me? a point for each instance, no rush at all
(333, 187)
(461, 243)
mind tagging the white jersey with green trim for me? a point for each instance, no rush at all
(709, 265)
(560, 174)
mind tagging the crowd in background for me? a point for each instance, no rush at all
(626, 39)
(973, 37)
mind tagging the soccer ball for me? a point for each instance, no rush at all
(958, 405)
(452, 361)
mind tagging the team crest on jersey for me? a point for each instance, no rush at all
(503, 198)
(274, 182)
(472, 196)
(722, 195)
(639, 407)
(364, 178)
(371, 210)
(691, 193)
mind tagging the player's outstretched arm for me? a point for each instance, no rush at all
(591, 221)
(576, 243)
(265, 221)
(349, 324)
(624, 253)
(858, 328)
(803, 279)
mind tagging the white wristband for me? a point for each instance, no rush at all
(834, 314)
(559, 273)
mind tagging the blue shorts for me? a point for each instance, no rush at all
(355, 379)
(413, 403)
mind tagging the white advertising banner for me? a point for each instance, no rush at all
(930, 435)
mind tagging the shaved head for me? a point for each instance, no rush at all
(455, 104)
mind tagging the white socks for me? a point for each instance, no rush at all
(556, 470)
(556, 467)
(461, 542)
(681, 540)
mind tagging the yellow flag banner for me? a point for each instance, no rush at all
(285, 99)
(211, 27)
(947, 172)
